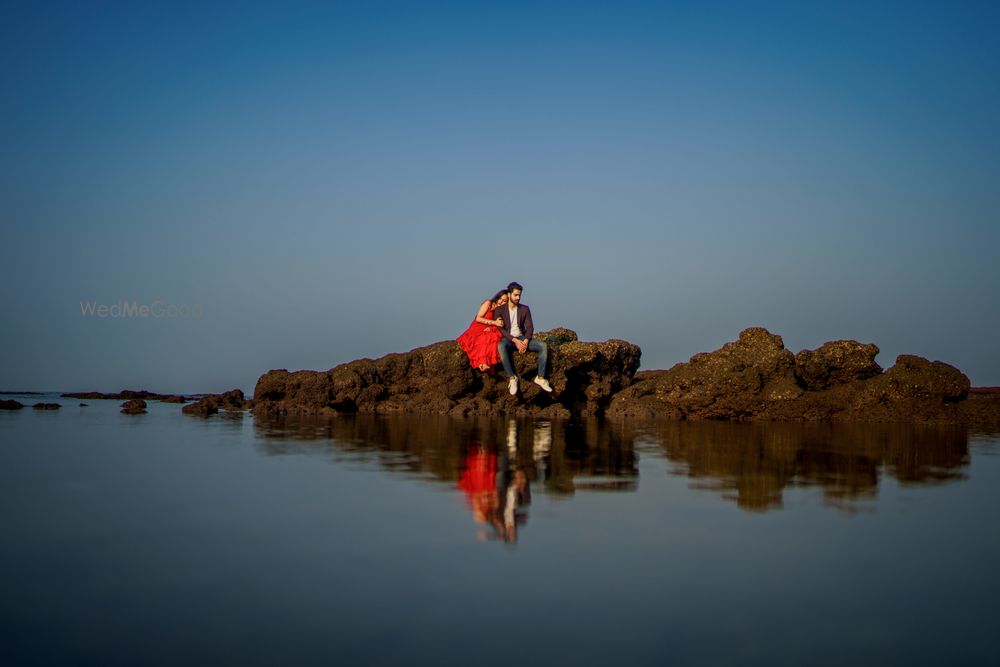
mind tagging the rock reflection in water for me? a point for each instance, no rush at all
(494, 462)
(752, 464)
(565, 457)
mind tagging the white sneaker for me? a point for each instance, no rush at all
(543, 383)
(512, 386)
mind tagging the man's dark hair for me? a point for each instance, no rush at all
(514, 286)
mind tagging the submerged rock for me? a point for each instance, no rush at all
(135, 406)
(438, 379)
(123, 395)
(210, 404)
(46, 406)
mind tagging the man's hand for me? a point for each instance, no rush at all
(522, 345)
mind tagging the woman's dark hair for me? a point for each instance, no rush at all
(496, 297)
(514, 286)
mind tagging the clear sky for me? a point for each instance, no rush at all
(333, 180)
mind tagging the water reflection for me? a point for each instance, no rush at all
(496, 493)
(564, 457)
(752, 464)
(495, 462)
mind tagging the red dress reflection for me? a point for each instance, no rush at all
(479, 482)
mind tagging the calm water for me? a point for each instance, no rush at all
(166, 539)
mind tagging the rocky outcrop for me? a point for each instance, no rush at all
(735, 382)
(125, 395)
(46, 406)
(755, 378)
(135, 406)
(10, 405)
(438, 379)
(210, 404)
(836, 362)
(752, 378)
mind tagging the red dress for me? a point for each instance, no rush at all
(479, 342)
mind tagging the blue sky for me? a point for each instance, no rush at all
(329, 181)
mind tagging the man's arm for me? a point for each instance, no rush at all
(504, 316)
(528, 330)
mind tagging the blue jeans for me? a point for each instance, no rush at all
(505, 347)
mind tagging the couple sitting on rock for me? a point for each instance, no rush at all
(501, 325)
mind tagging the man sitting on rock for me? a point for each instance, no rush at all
(517, 330)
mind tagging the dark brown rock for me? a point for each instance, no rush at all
(46, 406)
(913, 389)
(10, 405)
(737, 381)
(174, 398)
(123, 395)
(134, 406)
(200, 408)
(231, 401)
(980, 409)
(438, 379)
(836, 362)
(751, 380)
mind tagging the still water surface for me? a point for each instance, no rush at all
(166, 539)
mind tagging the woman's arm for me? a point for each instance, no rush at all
(481, 315)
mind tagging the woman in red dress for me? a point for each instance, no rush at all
(480, 340)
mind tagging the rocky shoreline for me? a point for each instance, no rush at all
(438, 379)
(756, 379)
(127, 395)
(753, 378)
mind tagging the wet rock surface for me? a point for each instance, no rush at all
(755, 378)
(438, 379)
(125, 395)
(210, 404)
(134, 406)
(10, 405)
(736, 381)
(835, 363)
(46, 406)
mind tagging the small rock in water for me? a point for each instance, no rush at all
(135, 406)
(230, 401)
